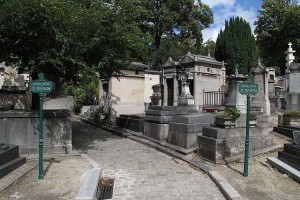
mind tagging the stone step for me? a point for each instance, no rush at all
(9, 154)
(11, 166)
(290, 159)
(292, 149)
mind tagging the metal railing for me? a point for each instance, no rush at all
(213, 99)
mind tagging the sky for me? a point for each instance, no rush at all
(224, 9)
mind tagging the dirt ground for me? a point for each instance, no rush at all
(263, 181)
(61, 181)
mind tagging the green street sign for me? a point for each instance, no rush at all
(248, 88)
(41, 86)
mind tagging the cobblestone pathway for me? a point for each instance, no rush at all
(141, 172)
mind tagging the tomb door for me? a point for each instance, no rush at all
(170, 85)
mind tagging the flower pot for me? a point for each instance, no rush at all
(224, 122)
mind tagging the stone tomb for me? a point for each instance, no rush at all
(158, 118)
(9, 159)
(131, 122)
(291, 152)
(260, 102)
(184, 129)
(221, 145)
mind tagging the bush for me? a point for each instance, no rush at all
(292, 113)
(232, 113)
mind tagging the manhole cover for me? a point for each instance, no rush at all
(105, 189)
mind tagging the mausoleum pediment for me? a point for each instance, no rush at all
(170, 63)
(258, 69)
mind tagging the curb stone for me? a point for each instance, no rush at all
(227, 190)
(89, 181)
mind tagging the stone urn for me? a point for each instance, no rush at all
(156, 96)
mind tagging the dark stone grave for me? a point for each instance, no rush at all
(291, 152)
(131, 122)
(9, 159)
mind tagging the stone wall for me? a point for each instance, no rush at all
(19, 99)
(22, 128)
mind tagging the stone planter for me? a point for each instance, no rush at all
(156, 89)
(224, 122)
(290, 121)
(253, 123)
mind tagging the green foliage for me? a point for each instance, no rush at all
(231, 113)
(67, 38)
(85, 90)
(292, 113)
(236, 45)
(171, 27)
(276, 26)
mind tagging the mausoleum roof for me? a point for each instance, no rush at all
(193, 58)
(139, 65)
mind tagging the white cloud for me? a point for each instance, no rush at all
(225, 12)
(215, 3)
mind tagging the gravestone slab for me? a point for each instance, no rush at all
(184, 130)
(220, 145)
(157, 119)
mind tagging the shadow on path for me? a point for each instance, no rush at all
(84, 135)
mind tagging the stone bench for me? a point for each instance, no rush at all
(89, 185)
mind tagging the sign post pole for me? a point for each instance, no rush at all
(247, 89)
(41, 139)
(41, 86)
(247, 140)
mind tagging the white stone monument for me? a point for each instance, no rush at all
(235, 98)
(261, 99)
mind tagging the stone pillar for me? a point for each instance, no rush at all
(260, 102)
(165, 100)
(293, 95)
(289, 59)
(235, 98)
(175, 91)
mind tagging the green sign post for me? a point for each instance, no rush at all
(41, 86)
(248, 89)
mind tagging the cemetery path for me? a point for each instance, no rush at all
(141, 172)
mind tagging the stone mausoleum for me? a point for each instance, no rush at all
(205, 74)
(130, 91)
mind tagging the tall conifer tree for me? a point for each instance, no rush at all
(236, 45)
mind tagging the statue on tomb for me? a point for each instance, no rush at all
(185, 98)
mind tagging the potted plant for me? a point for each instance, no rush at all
(156, 88)
(291, 118)
(226, 119)
(252, 120)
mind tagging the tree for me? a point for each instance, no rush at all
(67, 38)
(236, 46)
(167, 21)
(85, 90)
(276, 26)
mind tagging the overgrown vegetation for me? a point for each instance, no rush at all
(292, 113)
(85, 91)
(231, 113)
(234, 113)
